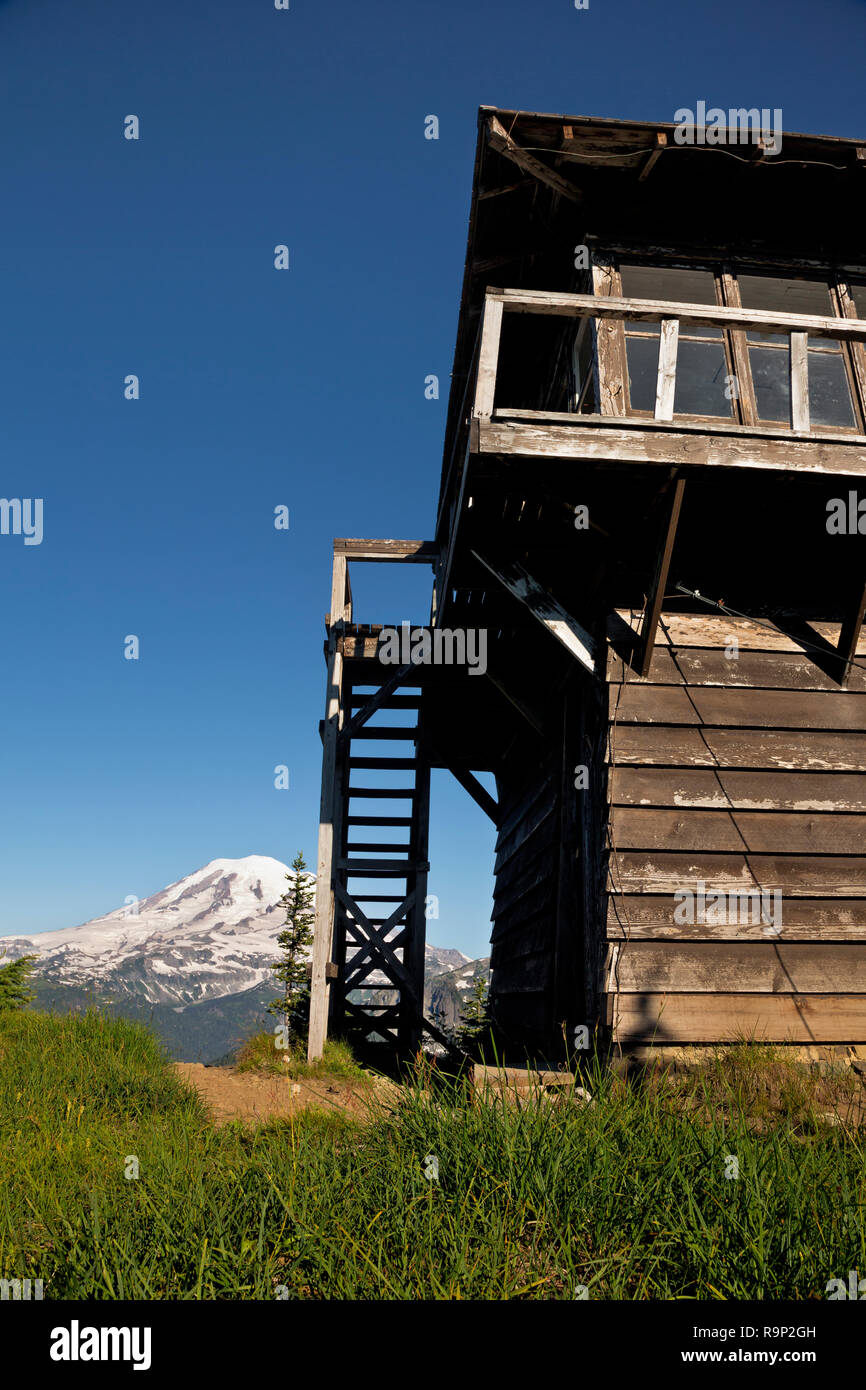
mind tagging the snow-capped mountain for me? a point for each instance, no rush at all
(209, 935)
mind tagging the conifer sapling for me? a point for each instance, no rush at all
(294, 941)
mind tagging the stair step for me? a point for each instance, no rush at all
(386, 731)
(386, 868)
(404, 793)
(393, 941)
(379, 898)
(393, 701)
(378, 820)
(383, 763)
(372, 847)
(380, 922)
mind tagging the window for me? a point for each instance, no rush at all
(702, 366)
(734, 375)
(830, 399)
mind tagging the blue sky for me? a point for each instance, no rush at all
(259, 388)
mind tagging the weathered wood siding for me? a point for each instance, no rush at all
(738, 764)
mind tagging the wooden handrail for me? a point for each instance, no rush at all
(654, 310)
(671, 316)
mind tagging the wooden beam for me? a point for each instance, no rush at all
(596, 439)
(656, 595)
(564, 305)
(502, 142)
(516, 703)
(330, 813)
(488, 358)
(408, 552)
(414, 952)
(610, 365)
(799, 374)
(667, 374)
(470, 783)
(850, 633)
(546, 609)
(507, 188)
(331, 970)
(654, 155)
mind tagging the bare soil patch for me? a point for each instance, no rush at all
(256, 1098)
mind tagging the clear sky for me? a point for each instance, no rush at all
(260, 388)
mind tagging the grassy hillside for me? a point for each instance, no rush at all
(202, 1032)
(627, 1196)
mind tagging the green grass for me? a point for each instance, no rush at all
(627, 1195)
(260, 1053)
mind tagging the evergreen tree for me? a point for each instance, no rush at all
(475, 1020)
(294, 941)
(14, 979)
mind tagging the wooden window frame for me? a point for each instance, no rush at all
(611, 362)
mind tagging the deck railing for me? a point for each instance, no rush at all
(799, 328)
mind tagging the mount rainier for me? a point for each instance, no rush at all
(202, 948)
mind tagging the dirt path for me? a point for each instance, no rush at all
(256, 1097)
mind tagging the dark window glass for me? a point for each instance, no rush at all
(679, 286)
(771, 378)
(701, 379)
(701, 363)
(643, 370)
(789, 296)
(829, 392)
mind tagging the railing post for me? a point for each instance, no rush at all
(667, 377)
(488, 358)
(800, 382)
(329, 815)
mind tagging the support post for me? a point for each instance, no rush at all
(800, 382)
(329, 817)
(850, 634)
(655, 598)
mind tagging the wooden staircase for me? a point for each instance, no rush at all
(379, 935)
(368, 950)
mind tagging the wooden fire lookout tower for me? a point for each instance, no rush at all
(653, 503)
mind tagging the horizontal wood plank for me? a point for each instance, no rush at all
(720, 967)
(726, 789)
(563, 304)
(418, 552)
(746, 669)
(715, 631)
(603, 443)
(737, 748)
(699, 1018)
(651, 871)
(758, 832)
(650, 916)
(760, 709)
